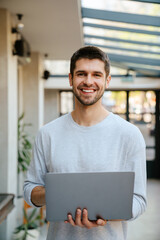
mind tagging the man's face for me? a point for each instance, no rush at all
(89, 81)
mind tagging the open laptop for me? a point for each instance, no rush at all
(108, 195)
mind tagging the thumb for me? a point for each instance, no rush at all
(101, 222)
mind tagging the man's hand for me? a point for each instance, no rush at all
(83, 221)
(38, 196)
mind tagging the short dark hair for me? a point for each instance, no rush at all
(90, 52)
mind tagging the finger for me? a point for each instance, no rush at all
(101, 222)
(78, 221)
(70, 220)
(88, 224)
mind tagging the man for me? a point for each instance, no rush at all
(88, 139)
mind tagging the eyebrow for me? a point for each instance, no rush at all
(98, 72)
(82, 71)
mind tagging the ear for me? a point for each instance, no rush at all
(108, 81)
(70, 79)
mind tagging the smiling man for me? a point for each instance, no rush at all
(89, 139)
(89, 81)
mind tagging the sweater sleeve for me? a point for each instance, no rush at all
(36, 171)
(136, 162)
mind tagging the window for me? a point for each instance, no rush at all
(66, 102)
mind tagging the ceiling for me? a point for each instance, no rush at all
(128, 31)
(50, 26)
(57, 27)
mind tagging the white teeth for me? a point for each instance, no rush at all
(84, 90)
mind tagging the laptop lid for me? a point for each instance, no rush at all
(108, 195)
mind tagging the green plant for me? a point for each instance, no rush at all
(24, 146)
(32, 222)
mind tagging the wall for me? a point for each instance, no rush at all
(8, 120)
(51, 105)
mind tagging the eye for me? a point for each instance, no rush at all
(80, 74)
(97, 75)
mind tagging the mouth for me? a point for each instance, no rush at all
(87, 90)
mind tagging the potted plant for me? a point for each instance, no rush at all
(24, 152)
(24, 146)
(30, 229)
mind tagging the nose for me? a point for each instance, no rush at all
(88, 80)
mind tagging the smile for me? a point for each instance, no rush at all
(87, 90)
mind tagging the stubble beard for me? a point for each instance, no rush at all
(88, 102)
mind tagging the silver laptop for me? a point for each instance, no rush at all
(107, 195)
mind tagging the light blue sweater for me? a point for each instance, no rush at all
(111, 145)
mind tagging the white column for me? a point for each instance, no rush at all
(20, 90)
(8, 119)
(51, 106)
(33, 93)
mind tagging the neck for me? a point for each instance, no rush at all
(89, 115)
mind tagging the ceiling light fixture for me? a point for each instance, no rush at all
(19, 27)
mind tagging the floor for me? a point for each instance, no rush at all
(148, 225)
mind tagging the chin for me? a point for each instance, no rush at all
(89, 103)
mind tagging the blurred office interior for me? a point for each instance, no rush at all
(37, 39)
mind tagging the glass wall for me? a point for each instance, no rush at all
(115, 101)
(142, 114)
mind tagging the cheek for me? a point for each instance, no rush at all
(77, 82)
(101, 84)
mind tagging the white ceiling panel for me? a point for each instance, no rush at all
(50, 26)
